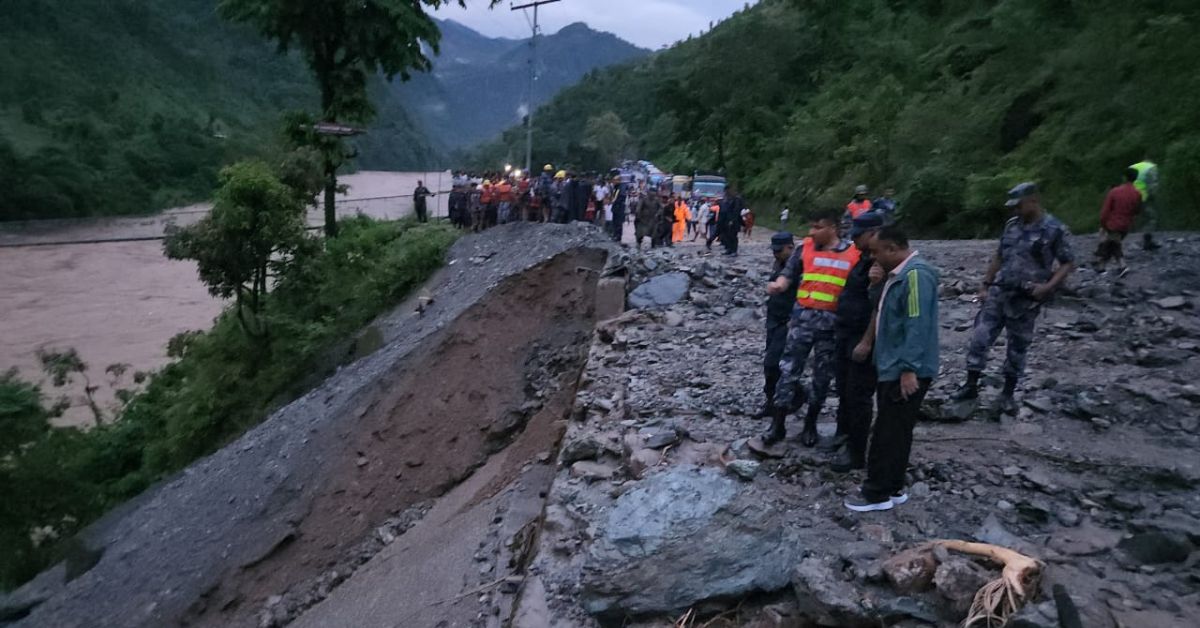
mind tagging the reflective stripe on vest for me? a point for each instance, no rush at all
(824, 276)
(858, 208)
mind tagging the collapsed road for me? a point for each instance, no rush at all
(522, 453)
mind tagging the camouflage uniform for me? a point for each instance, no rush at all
(809, 331)
(1027, 257)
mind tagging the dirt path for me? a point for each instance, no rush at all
(120, 302)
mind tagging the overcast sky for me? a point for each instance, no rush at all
(647, 23)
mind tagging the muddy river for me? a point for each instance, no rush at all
(83, 284)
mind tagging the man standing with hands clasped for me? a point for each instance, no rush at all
(906, 359)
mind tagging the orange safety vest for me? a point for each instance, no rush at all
(858, 208)
(825, 274)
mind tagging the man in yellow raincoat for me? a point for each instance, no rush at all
(682, 216)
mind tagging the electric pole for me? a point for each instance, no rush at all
(532, 78)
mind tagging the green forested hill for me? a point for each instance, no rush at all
(116, 106)
(950, 101)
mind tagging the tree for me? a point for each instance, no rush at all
(345, 42)
(606, 134)
(254, 230)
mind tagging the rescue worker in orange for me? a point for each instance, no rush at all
(857, 206)
(682, 216)
(825, 261)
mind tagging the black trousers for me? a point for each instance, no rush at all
(891, 439)
(422, 213)
(776, 341)
(618, 224)
(729, 237)
(856, 395)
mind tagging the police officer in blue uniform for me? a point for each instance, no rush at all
(1032, 261)
(779, 312)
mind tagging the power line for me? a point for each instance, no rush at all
(532, 75)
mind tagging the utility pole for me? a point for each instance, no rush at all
(532, 78)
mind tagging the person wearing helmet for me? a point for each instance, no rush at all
(547, 168)
(857, 206)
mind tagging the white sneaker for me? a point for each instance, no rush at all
(858, 503)
(899, 498)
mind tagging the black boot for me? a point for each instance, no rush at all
(844, 461)
(763, 412)
(970, 390)
(808, 437)
(778, 429)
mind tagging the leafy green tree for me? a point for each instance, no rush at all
(606, 134)
(22, 417)
(344, 42)
(254, 230)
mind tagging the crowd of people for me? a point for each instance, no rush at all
(863, 310)
(855, 303)
(852, 301)
(659, 216)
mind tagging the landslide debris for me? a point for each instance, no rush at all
(1096, 476)
(273, 523)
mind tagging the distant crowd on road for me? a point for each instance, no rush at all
(659, 216)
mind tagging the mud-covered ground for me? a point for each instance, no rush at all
(1096, 476)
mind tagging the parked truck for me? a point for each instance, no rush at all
(708, 186)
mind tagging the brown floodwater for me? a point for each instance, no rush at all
(119, 302)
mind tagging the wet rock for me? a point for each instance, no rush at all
(1043, 615)
(954, 411)
(1085, 540)
(593, 471)
(825, 597)
(892, 610)
(745, 469)
(582, 448)
(660, 291)
(673, 319)
(683, 536)
(661, 438)
(994, 532)
(1153, 548)
(1171, 303)
(1155, 618)
(910, 571)
(1084, 407)
(642, 459)
(957, 579)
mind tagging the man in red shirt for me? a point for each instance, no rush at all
(1121, 205)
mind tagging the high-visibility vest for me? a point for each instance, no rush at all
(858, 208)
(1143, 168)
(825, 274)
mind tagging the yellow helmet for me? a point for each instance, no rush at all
(561, 174)
(548, 168)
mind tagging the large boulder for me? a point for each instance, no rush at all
(660, 291)
(683, 536)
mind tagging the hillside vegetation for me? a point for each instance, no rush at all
(950, 101)
(129, 106)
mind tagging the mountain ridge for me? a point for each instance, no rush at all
(447, 100)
